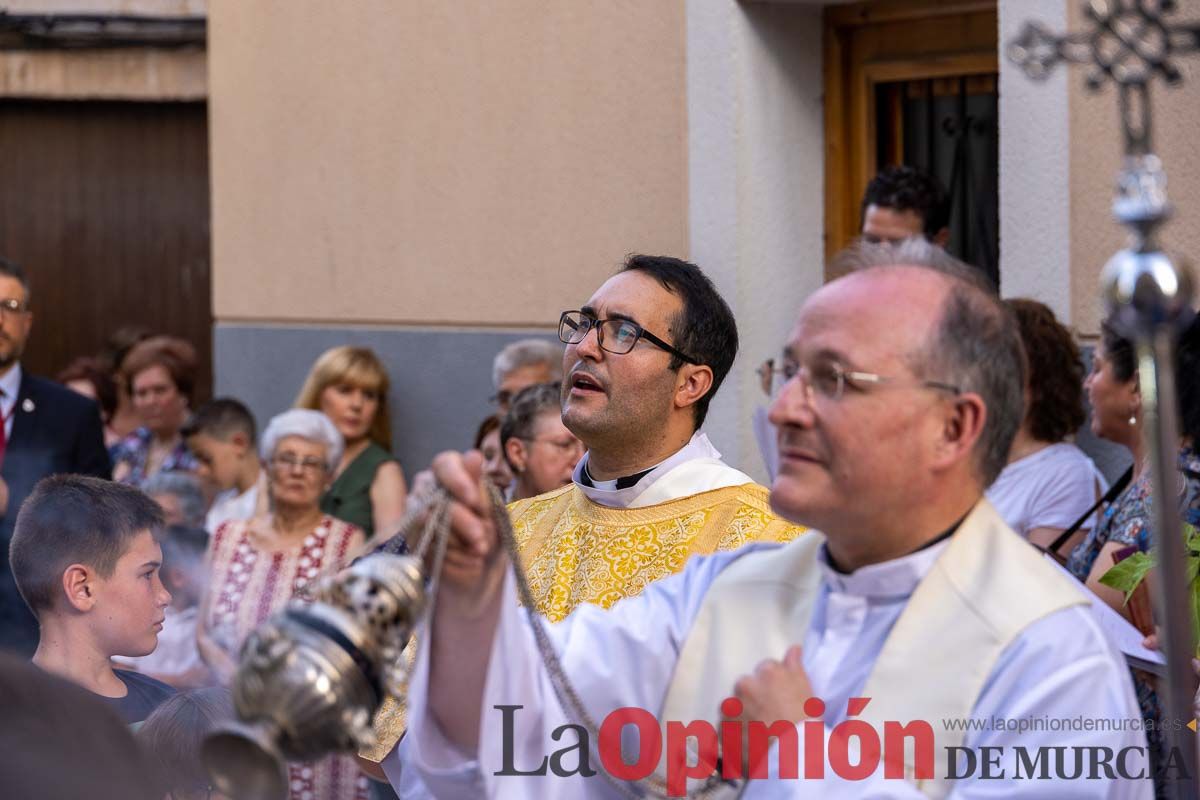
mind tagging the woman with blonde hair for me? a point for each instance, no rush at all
(350, 385)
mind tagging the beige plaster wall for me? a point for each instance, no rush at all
(1096, 149)
(417, 161)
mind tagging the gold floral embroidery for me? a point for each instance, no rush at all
(575, 551)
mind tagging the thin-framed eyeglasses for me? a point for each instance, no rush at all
(13, 306)
(829, 379)
(286, 462)
(616, 336)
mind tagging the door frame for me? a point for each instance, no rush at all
(850, 124)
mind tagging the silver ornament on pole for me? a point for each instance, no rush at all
(1130, 43)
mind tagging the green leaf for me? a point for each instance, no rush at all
(1127, 574)
(1196, 614)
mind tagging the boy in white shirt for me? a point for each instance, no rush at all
(222, 436)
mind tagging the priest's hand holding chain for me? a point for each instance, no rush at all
(475, 558)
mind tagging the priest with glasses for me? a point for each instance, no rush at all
(643, 358)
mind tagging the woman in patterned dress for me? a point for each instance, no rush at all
(1116, 401)
(257, 566)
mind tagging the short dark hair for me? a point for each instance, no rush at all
(529, 404)
(14, 270)
(1119, 351)
(221, 419)
(1055, 372)
(174, 355)
(909, 189)
(173, 733)
(704, 330)
(1120, 354)
(75, 519)
(86, 368)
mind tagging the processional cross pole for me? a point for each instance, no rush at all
(1130, 44)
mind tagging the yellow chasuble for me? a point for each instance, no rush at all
(576, 551)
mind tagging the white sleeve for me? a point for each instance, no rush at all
(621, 657)
(1059, 674)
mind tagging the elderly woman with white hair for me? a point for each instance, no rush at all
(257, 566)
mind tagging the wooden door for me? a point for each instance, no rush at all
(106, 206)
(873, 48)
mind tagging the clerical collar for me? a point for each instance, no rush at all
(932, 543)
(624, 492)
(623, 482)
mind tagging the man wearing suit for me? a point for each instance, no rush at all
(47, 429)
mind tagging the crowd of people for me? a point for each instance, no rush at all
(146, 534)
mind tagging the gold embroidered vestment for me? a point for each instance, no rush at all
(576, 551)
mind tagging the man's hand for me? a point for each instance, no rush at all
(3, 497)
(776, 691)
(474, 554)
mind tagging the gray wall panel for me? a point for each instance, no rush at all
(441, 379)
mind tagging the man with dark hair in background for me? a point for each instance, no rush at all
(903, 202)
(47, 429)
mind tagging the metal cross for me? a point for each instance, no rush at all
(1129, 43)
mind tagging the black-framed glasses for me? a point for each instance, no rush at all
(830, 379)
(13, 306)
(616, 336)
